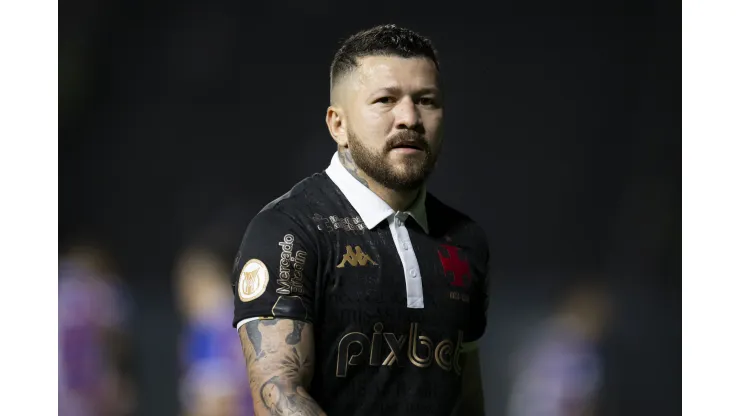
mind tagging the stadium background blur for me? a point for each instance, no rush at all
(178, 122)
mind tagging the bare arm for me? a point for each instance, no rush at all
(280, 357)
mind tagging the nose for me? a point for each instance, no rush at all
(407, 115)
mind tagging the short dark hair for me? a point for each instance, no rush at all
(383, 40)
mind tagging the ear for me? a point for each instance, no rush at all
(336, 121)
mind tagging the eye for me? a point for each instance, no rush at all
(427, 101)
(384, 100)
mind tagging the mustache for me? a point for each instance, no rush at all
(407, 138)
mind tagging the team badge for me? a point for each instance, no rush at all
(253, 280)
(452, 263)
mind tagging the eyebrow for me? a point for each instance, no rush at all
(397, 91)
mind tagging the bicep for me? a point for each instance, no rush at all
(279, 354)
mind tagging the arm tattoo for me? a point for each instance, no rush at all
(283, 397)
(280, 380)
(255, 337)
(295, 336)
(349, 163)
(290, 399)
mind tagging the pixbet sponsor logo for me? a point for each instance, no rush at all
(388, 349)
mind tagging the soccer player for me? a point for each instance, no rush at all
(357, 292)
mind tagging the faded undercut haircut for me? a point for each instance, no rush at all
(384, 40)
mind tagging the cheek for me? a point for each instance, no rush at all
(374, 127)
(433, 126)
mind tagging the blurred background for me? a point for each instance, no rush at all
(179, 121)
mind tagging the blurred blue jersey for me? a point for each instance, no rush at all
(214, 364)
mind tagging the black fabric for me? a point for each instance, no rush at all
(373, 354)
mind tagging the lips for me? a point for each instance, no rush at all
(408, 141)
(408, 146)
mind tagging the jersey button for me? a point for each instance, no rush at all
(413, 272)
(405, 246)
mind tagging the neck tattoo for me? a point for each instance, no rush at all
(345, 157)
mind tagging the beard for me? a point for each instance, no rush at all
(378, 166)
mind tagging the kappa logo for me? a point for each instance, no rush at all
(355, 258)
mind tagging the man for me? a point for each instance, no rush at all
(357, 293)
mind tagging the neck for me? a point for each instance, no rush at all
(398, 200)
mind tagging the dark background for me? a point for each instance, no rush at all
(180, 120)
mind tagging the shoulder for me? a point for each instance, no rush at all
(296, 210)
(446, 220)
(300, 201)
(302, 195)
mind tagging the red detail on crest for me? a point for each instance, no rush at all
(454, 264)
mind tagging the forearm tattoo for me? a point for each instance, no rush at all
(346, 158)
(279, 355)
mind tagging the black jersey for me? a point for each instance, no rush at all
(392, 296)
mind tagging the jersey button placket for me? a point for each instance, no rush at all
(414, 292)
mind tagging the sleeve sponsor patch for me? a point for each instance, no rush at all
(253, 280)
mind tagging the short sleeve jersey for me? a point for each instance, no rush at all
(392, 296)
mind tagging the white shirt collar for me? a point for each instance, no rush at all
(372, 209)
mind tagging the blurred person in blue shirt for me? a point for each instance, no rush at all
(93, 343)
(213, 377)
(559, 372)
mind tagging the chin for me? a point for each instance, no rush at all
(401, 170)
(407, 181)
(404, 161)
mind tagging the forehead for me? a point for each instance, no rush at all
(378, 72)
